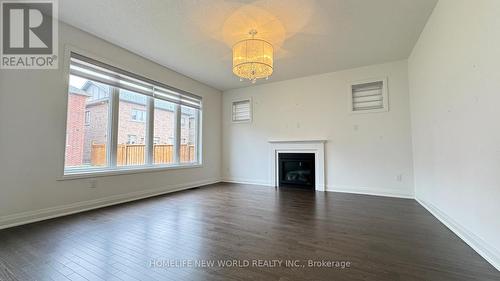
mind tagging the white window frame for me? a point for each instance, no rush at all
(249, 99)
(112, 168)
(385, 95)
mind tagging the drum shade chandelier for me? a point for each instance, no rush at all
(253, 58)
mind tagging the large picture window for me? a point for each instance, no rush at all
(120, 121)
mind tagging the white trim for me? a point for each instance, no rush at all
(178, 125)
(150, 118)
(82, 174)
(304, 146)
(374, 192)
(488, 252)
(296, 140)
(199, 139)
(246, 181)
(114, 122)
(370, 191)
(53, 212)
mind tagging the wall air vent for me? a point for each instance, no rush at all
(242, 110)
(369, 96)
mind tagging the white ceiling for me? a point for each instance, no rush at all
(194, 37)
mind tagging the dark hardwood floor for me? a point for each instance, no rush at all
(380, 238)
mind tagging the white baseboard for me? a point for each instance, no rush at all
(369, 191)
(53, 212)
(365, 191)
(488, 252)
(247, 181)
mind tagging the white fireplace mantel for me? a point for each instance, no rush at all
(295, 140)
(316, 146)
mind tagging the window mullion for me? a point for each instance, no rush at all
(177, 156)
(198, 136)
(150, 119)
(113, 128)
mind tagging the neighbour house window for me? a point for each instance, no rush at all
(131, 139)
(97, 91)
(138, 115)
(87, 117)
(117, 120)
(191, 123)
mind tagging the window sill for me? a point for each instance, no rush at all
(82, 174)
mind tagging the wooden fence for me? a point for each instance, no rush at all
(134, 154)
(130, 154)
(98, 154)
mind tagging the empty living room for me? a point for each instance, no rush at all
(250, 140)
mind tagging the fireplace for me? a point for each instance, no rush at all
(294, 146)
(296, 170)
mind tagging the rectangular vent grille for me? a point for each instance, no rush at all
(368, 96)
(241, 111)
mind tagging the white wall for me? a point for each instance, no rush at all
(364, 153)
(32, 138)
(455, 92)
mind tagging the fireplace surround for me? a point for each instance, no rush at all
(316, 147)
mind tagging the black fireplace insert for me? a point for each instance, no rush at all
(296, 170)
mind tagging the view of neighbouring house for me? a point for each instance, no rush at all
(88, 117)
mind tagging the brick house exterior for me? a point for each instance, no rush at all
(75, 133)
(96, 129)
